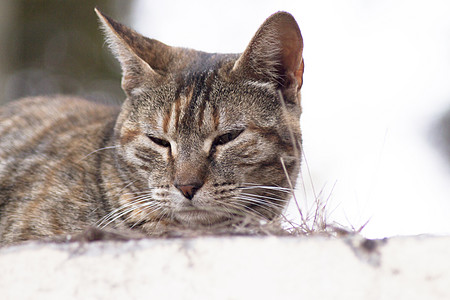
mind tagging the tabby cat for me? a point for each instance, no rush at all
(201, 139)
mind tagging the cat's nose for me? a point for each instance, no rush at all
(189, 190)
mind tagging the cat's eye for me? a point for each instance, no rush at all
(159, 142)
(227, 137)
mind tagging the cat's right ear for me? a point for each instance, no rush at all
(143, 60)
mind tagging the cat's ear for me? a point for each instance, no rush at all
(274, 54)
(143, 60)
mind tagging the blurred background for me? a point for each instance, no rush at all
(53, 46)
(376, 93)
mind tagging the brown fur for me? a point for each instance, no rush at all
(198, 141)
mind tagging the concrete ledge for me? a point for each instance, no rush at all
(230, 268)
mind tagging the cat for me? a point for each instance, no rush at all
(200, 139)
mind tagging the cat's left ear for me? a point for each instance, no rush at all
(274, 54)
(143, 60)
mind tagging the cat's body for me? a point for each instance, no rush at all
(201, 139)
(48, 182)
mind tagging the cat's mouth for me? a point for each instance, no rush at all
(196, 216)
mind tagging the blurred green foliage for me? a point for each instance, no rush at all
(56, 47)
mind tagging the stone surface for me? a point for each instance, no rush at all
(230, 268)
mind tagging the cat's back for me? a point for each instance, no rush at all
(37, 124)
(47, 172)
(48, 141)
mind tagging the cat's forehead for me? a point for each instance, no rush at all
(196, 105)
(203, 102)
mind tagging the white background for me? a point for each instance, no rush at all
(377, 80)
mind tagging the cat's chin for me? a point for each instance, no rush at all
(199, 217)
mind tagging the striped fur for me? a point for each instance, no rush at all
(200, 139)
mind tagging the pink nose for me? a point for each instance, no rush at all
(188, 190)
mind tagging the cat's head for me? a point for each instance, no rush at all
(206, 137)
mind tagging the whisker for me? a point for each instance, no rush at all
(272, 194)
(133, 202)
(292, 188)
(261, 202)
(122, 214)
(309, 172)
(258, 184)
(241, 207)
(139, 193)
(275, 188)
(265, 197)
(117, 210)
(130, 183)
(145, 206)
(295, 142)
(95, 151)
(165, 213)
(248, 201)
